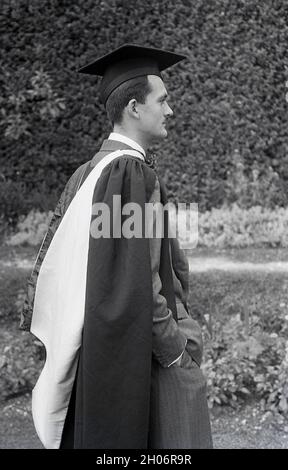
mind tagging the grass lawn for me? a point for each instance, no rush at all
(215, 294)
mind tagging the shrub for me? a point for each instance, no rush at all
(227, 227)
(241, 362)
(227, 97)
(12, 287)
(12, 202)
(31, 229)
(4, 228)
(256, 186)
(21, 359)
(236, 227)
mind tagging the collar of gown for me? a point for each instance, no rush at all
(126, 140)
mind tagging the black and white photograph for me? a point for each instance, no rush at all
(144, 227)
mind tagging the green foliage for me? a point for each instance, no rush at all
(21, 358)
(3, 228)
(245, 354)
(227, 97)
(259, 187)
(236, 227)
(12, 283)
(31, 229)
(219, 228)
(21, 355)
(40, 100)
(241, 363)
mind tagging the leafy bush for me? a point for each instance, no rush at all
(21, 355)
(228, 97)
(31, 229)
(12, 203)
(246, 356)
(4, 228)
(258, 186)
(240, 363)
(245, 336)
(236, 227)
(12, 288)
(233, 226)
(21, 359)
(220, 228)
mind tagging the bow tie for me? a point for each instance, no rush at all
(151, 161)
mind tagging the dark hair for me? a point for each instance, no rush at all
(136, 88)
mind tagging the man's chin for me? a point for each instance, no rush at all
(164, 133)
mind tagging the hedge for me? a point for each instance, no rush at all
(228, 97)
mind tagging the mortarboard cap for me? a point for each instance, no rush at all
(126, 62)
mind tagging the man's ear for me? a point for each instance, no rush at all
(132, 109)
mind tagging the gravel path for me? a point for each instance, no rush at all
(196, 264)
(246, 428)
(202, 264)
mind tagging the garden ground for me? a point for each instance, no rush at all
(240, 428)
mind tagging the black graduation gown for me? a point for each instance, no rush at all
(110, 403)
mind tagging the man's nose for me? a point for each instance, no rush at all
(168, 110)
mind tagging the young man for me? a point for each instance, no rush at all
(123, 354)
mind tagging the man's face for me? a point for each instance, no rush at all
(155, 110)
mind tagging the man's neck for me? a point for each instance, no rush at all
(131, 135)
